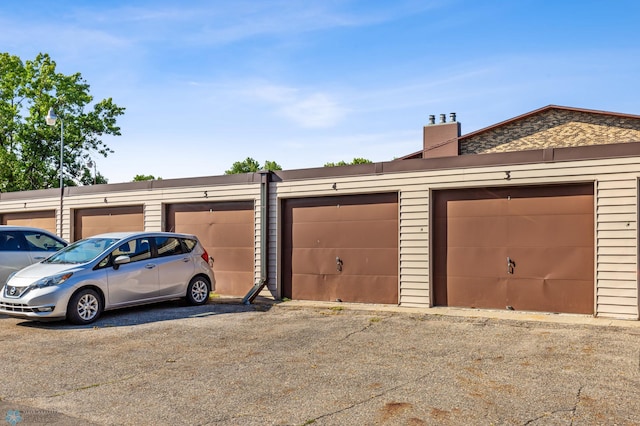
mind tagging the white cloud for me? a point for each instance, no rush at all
(309, 109)
(315, 110)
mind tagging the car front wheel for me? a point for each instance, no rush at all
(84, 307)
(198, 291)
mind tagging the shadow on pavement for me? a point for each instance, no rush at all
(161, 311)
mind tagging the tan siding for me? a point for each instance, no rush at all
(609, 242)
(153, 219)
(616, 236)
(414, 240)
(620, 218)
(626, 293)
(603, 274)
(618, 251)
(418, 257)
(605, 283)
(616, 217)
(617, 226)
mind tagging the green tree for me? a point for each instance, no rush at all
(251, 165)
(29, 148)
(88, 178)
(140, 178)
(344, 163)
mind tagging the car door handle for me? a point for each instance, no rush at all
(38, 257)
(149, 266)
(185, 260)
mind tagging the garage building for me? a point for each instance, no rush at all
(536, 213)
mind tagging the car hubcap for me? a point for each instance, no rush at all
(199, 291)
(87, 307)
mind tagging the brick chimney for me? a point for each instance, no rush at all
(441, 140)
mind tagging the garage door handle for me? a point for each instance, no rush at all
(339, 264)
(510, 265)
(149, 266)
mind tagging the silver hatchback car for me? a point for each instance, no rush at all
(21, 246)
(110, 271)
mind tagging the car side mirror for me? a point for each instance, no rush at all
(121, 260)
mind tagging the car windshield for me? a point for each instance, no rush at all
(82, 251)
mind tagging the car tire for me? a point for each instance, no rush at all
(84, 307)
(198, 291)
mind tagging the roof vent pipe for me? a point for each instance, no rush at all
(432, 119)
(453, 117)
(443, 118)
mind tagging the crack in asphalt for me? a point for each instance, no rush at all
(571, 410)
(371, 398)
(575, 406)
(91, 386)
(357, 331)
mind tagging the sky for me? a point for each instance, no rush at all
(206, 83)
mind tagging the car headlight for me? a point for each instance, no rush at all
(53, 280)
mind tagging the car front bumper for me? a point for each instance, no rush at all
(38, 304)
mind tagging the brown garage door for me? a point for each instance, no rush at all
(226, 230)
(341, 248)
(528, 248)
(43, 219)
(88, 222)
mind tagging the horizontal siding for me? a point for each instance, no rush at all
(616, 246)
(414, 247)
(616, 215)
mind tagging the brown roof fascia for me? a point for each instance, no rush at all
(233, 179)
(548, 155)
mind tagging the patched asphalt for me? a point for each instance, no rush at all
(323, 364)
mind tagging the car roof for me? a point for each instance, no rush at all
(30, 228)
(23, 228)
(124, 235)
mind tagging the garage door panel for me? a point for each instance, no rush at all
(567, 296)
(321, 261)
(475, 208)
(222, 235)
(373, 234)
(477, 292)
(226, 230)
(358, 261)
(359, 230)
(221, 216)
(472, 231)
(88, 222)
(482, 262)
(233, 283)
(353, 289)
(346, 208)
(233, 259)
(549, 230)
(558, 205)
(568, 263)
(42, 219)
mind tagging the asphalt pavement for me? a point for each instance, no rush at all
(296, 363)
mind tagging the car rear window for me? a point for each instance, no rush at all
(189, 244)
(168, 246)
(41, 242)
